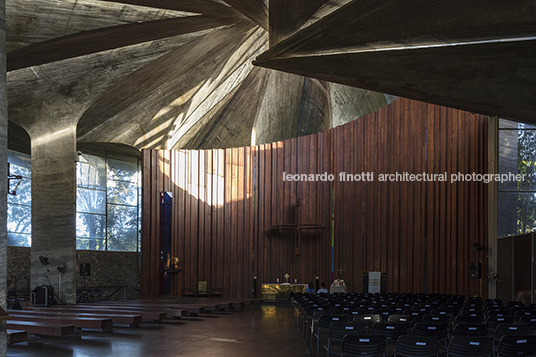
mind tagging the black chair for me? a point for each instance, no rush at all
(517, 345)
(472, 312)
(510, 329)
(439, 319)
(524, 312)
(321, 328)
(468, 319)
(442, 311)
(384, 313)
(515, 304)
(474, 346)
(367, 320)
(426, 329)
(417, 315)
(407, 320)
(336, 333)
(530, 321)
(494, 321)
(391, 331)
(417, 346)
(463, 329)
(363, 345)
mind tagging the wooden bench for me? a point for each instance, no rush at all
(147, 315)
(170, 313)
(208, 304)
(191, 309)
(42, 328)
(105, 324)
(16, 336)
(117, 319)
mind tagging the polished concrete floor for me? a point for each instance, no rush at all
(261, 330)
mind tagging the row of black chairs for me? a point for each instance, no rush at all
(423, 317)
(414, 346)
(330, 328)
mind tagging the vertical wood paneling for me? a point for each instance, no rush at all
(225, 202)
(146, 226)
(221, 220)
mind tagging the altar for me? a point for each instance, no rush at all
(272, 291)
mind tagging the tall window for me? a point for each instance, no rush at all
(107, 204)
(517, 199)
(19, 200)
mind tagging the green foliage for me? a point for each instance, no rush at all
(107, 205)
(526, 165)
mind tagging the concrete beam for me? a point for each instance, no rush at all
(286, 17)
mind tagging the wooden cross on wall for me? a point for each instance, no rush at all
(340, 270)
(297, 227)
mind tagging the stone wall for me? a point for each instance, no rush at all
(110, 268)
(18, 272)
(107, 268)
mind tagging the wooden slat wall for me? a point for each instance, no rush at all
(419, 233)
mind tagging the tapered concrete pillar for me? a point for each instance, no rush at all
(54, 205)
(3, 176)
(285, 111)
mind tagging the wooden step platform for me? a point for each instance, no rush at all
(16, 336)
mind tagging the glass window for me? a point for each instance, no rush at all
(19, 199)
(122, 171)
(120, 192)
(91, 172)
(517, 199)
(122, 228)
(108, 204)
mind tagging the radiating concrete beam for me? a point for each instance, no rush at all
(286, 17)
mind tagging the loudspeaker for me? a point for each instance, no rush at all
(22, 304)
(475, 270)
(42, 295)
(85, 269)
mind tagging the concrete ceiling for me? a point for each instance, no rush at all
(180, 73)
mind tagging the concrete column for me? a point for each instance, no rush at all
(54, 205)
(3, 176)
(281, 114)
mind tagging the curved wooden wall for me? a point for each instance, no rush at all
(419, 233)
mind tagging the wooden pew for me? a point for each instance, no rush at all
(170, 313)
(117, 319)
(16, 336)
(208, 303)
(191, 309)
(147, 315)
(42, 328)
(105, 324)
